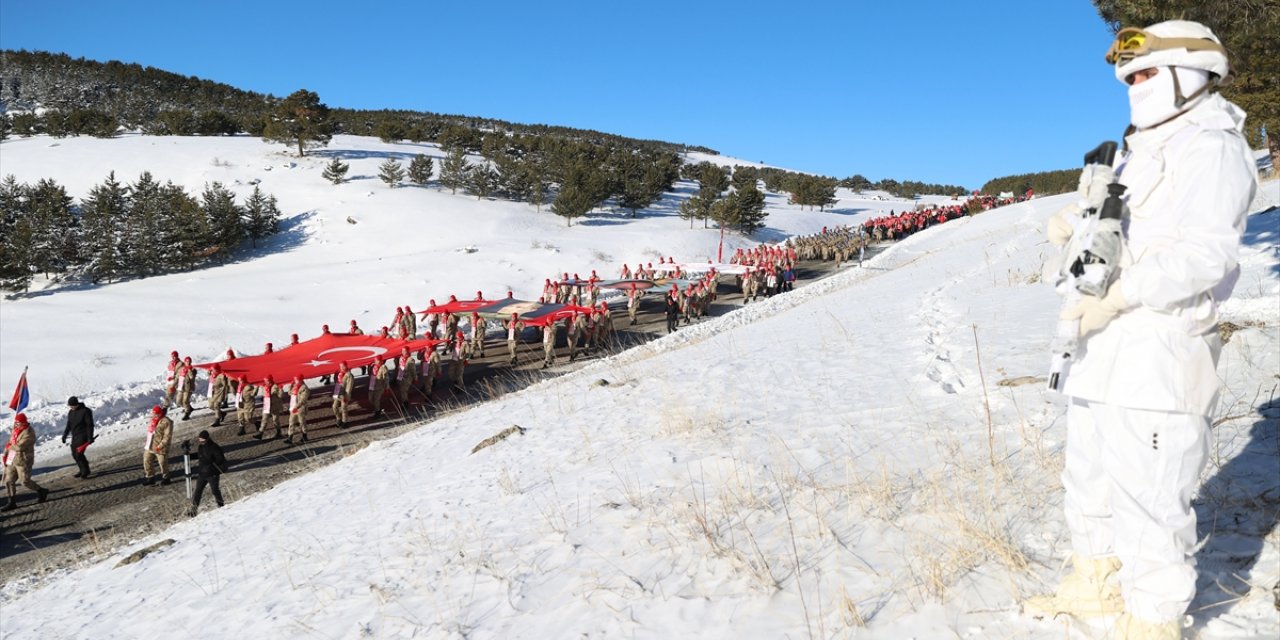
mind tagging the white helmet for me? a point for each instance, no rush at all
(1174, 43)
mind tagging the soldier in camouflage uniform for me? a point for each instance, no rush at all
(299, 396)
(379, 382)
(343, 389)
(273, 406)
(245, 394)
(156, 450)
(186, 386)
(548, 344)
(19, 458)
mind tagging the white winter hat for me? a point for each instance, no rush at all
(1173, 43)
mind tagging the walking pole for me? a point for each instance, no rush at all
(186, 463)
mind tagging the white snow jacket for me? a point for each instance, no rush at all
(1190, 182)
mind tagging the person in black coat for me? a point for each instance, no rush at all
(210, 465)
(80, 428)
(672, 309)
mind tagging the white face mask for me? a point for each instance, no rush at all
(1154, 101)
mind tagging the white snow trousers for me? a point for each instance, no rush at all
(1129, 477)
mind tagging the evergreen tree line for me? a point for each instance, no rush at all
(573, 177)
(903, 189)
(121, 231)
(1044, 183)
(160, 102)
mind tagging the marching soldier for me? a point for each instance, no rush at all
(432, 372)
(410, 322)
(433, 319)
(342, 391)
(22, 446)
(171, 378)
(450, 325)
(378, 385)
(633, 304)
(548, 344)
(299, 396)
(406, 374)
(478, 327)
(575, 327)
(458, 366)
(245, 393)
(219, 386)
(156, 450)
(273, 407)
(186, 386)
(513, 332)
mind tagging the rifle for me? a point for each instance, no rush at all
(1091, 265)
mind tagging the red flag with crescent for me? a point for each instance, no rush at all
(317, 357)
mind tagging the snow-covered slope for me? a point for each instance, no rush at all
(818, 465)
(109, 344)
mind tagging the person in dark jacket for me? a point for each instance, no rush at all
(210, 465)
(80, 428)
(673, 312)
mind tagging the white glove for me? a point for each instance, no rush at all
(1062, 225)
(1094, 313)
(1093, 185)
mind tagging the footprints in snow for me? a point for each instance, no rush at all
(940, 323)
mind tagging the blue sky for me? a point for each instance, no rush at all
(938, 91)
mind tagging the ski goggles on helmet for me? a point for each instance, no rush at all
(1132, 42)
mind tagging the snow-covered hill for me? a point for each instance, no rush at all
(818, 465)
(109, 344)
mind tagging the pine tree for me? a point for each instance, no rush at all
(454, 169)
(226, 220)
(336, 171)
(420, 169)
(103, 217)
(147, 231)
(13, 203)
(482, 180)
(697, 207)
(54, 236)
(748, 210)
(300, 119)
(15, 236)
(642, 182)
(577, 194)
(389, 129)
(188, 235)
(391, 172)
(744, 177)
(262, 216)
(712, 181)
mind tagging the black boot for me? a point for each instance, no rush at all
(304, 439)
(288, 440)
(10, 506)
(43, 495)
(165, 480)
(146, 482)
(186, 415)
(257, 436)
(240, 432)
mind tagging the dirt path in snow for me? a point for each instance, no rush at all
(87, 520)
